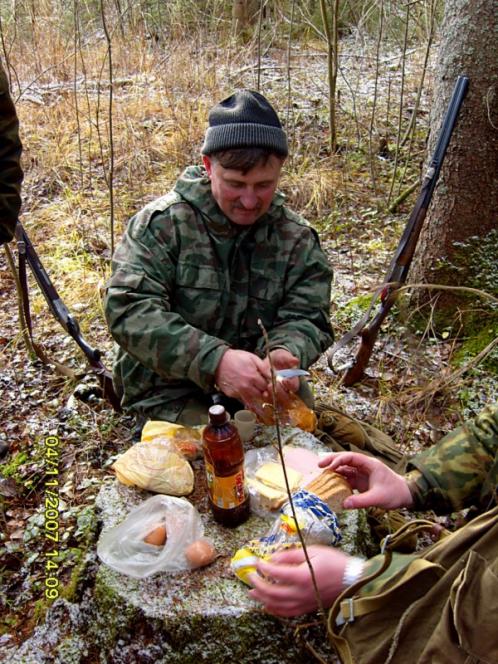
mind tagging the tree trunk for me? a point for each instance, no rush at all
(458, 244)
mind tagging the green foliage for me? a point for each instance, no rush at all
(477, 342)
(11, 468)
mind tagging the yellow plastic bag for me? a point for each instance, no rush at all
(155, 428)
(155, 466)
(186, 440)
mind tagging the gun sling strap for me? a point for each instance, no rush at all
(23, 291)
(27, 254)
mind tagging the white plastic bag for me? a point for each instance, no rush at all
(123, 547)
(300, 459)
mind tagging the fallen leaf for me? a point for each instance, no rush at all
(8, 487)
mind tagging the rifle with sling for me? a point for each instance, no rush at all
(27, 254)
(400, 264)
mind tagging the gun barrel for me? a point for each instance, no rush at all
(447, 126)
(57, 306)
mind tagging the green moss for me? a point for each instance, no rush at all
(39, 610)
(351, 312)
(70, 590)
(477, 342)
(12, 467)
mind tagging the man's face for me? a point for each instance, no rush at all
(244, 198)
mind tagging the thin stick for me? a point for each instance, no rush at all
(287, 486)
(77, 39)
(400, 112)
(410, 132)
(463, 289)
(332, 68)
(374, 105)
(110, 179)
(289, 90)
(260, 27)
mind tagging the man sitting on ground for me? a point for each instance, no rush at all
(200, 266)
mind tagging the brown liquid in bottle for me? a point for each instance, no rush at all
(224, 459)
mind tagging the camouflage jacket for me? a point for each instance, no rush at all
(187, 284)
(11, 174)
(461, 470)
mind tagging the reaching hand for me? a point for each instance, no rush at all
(241, 375)
(288, 589)
(379, 486)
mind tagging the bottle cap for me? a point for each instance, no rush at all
(217, 414)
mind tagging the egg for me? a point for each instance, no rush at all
(157, 536)
(200, 553)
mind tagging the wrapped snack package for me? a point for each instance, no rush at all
(317, 522)
(187, 441)
(292, 411)
(155, 466)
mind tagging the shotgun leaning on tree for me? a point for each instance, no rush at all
(400, 264)
(27, 254)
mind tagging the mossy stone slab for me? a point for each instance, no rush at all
(205, 615)
(200, 616)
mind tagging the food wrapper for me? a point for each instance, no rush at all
(292, 411)
(186, 441)
(317, 522)
(155, 466)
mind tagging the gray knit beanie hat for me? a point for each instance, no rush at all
(244, 120)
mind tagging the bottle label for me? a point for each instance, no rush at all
(225, 492)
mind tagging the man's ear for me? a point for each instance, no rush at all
(208, 164)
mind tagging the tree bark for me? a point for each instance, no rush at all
(465, 203)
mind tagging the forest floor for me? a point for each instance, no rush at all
(399, 394)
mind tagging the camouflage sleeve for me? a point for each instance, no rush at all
(461, 470)
(138, 311)
(11, 174)
(302, 324)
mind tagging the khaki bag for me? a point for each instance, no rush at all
(434, 607)
(341, 433)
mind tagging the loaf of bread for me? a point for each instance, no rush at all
(332, 488)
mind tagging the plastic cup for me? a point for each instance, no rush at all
(245, 421)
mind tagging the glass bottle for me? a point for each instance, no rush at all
(224, 460)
